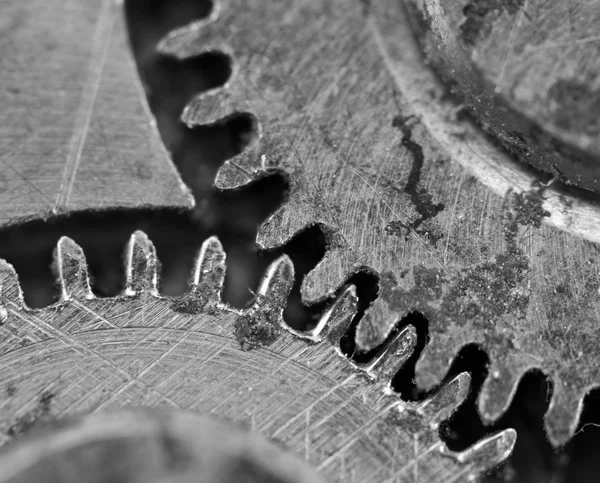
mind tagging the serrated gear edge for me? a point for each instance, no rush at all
(216, 105)
(204, 296)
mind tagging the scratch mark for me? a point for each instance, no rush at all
(95, 314)
(351, 439)
(313, 404)
(20, 175)
(570, 43)
(144, 371)
(307, 437)
(509, 50)
(401, 470)
(77, 346)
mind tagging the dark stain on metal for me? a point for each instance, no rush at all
(178, 458)
(40, 413)
(256, 329)
(11, 390)
(420, 198)
(577, 106)
(190, 304)
(477, 292)
(480, 16)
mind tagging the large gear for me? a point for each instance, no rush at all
(376, 155)
(86, 354)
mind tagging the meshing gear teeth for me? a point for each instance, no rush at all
(85, 354)
(347, 109)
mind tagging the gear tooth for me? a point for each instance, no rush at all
(70, 267)
(370, 332)
(209, 272)
(243, 168)
(10, 288)
(435, 360)
(292, 218)
(393, 355)
(276, 285)
(442, 405)
(211, 107)
(485, 454)
(337, 319)
(326, 278)
(207, 280)
(498, 391)
(563, 414)
(141, 265)
(195, 38)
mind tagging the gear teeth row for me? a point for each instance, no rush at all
(492, 449)
(194, 40)
(205, 295)
(489, 451)
(336, 322)
(238, 96)
(207, 280)
(564, 412)
(500, 386)
(264, 321)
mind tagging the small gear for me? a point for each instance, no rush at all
(375, 154)
(85, 354)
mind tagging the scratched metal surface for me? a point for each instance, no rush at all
(334, 87)
(76, 133)
(86, 354)
(346, 108)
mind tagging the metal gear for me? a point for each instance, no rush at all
(375, 153)
(71, 96)
(86, 354)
